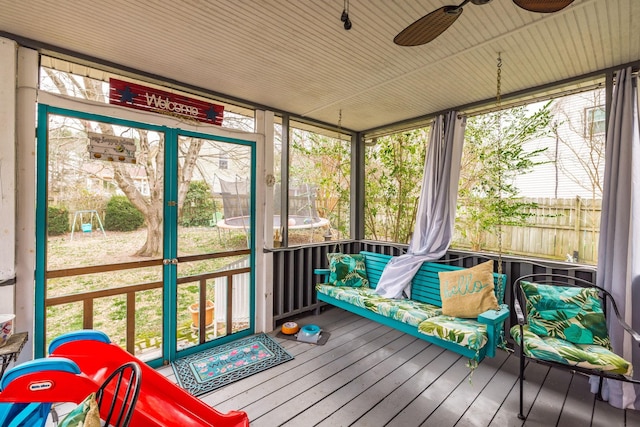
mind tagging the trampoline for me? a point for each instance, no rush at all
(302, 207)
(296, 222)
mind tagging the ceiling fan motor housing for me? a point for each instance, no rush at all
(480, 2)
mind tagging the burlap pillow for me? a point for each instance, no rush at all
(469, 292)
(86, 414)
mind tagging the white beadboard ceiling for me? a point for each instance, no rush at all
(295, 56)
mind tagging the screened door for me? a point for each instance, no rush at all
(132, 236)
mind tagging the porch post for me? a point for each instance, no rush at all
(8, 49)
(264, 223)
(28, 65)
(357, 186)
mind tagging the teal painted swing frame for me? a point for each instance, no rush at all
(425, 288)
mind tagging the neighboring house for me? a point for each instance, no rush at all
(575, 153)
(100, 178)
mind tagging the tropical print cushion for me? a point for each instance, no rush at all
(466, 332)
(347, 270)
(355, 296)
(589, 356)
(570, 313)
(403, 310)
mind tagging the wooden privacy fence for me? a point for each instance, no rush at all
(560, 229)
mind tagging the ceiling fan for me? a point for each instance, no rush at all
(435, 23)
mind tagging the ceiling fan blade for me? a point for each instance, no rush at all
(543, 6)
(428, 27)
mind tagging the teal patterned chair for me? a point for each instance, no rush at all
(562, 323)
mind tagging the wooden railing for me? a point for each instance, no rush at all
(293, 280)
(130, 291)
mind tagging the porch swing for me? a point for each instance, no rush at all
(419, 293)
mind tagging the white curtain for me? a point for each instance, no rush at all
(436, 208)
(619, 246)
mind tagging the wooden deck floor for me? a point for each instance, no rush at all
(370, 375)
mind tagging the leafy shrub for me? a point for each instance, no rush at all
(57, 221)
(121, 215)
(197, 210)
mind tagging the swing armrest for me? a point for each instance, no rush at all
(494, 317)
(323, 272)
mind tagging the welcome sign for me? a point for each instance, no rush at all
(145, 98)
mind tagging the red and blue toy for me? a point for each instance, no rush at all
(78, 363)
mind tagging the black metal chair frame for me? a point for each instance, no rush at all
(521, 314)
(124, 382)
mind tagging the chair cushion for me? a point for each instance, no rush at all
(86, 414)
(468, 292)
(570, 313)
(403, 310)
(347, 270)
(466, 332)
(589, 356)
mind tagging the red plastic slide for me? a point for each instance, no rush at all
(160, 403)
(78, 363)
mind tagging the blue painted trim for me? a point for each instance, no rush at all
(105, 119)
(41, 229)
(252, 244)
(238, 141)
(42, 203)
(252, 227)
(324, 272)
(494, 319)
(170, 249)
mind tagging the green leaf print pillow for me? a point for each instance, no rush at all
(347, 270)
(570, 313)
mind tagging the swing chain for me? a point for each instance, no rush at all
(498, 105)
(499, 81)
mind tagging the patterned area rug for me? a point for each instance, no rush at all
(208, 370)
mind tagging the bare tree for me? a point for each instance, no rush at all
(150, 157)
(580, 138)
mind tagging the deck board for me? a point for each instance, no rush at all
(370, 375)
(315, 380)
(431, 397)
(465, 394)
(484, 408)
(362, 378)
(351, 411)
